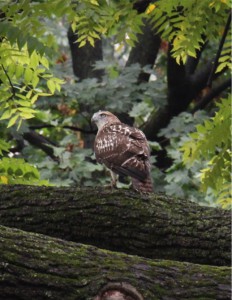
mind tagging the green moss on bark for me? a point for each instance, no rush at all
(42, 267)
(153, 226)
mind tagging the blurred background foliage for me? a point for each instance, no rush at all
(163, 66)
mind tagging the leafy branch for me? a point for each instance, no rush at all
(216, 60)
(211, 141)
(10, 82)
(17, 171)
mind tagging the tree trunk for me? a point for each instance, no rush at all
(153, 226)
(84, 58)
(35, 266)
(145, 50)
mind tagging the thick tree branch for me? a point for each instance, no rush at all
(74, 128)
(153, 226)
(214, 92)
(200, 77)
(178, 86)
(35, 266)
(40, 142)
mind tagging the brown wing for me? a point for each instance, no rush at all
(124, 150)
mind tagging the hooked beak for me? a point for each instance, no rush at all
(93, 120)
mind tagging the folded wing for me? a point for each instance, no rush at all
(124, 150)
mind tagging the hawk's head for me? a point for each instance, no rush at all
(101, 118)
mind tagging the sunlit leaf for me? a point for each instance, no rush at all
(12, 121)
(51, 86)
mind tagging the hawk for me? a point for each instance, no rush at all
(122, 149)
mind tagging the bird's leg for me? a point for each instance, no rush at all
(114, 178)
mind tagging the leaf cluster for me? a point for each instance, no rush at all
(187, 24)
(225, 59)
(212, 141)
(24, 68)
(100, 17)
(184, 180)
(76, 166)
(23, 61)
(118, 91)
(17, 171)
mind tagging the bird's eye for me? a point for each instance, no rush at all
(103, 115)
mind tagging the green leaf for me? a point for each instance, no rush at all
(26, 115)
(34, 98)
(51, 86)
(35, 80)
(34, 60)
(19, 71)
(12, 121)
(91, 40)
(82, 44)
(24, 103)
(221, 66)
(44, 62)
(6, 115)
(28, 75)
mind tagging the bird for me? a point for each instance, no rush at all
(124, 150)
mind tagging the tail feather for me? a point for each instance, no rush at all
(145, 186)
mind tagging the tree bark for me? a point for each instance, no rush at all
(35, 266)
(84, 58)
(145, 50)
(214, 92)
(153, 226)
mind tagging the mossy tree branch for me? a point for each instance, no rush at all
(153, 226)
(35, 266)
